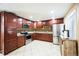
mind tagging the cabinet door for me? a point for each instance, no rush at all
(70, 48)
(10, 45)
(19, 23)
(10, 33)
(43, 37)
(47, 37)
(10, 36)
(13, 21)
(10, 20)
(10, 26)
(21, 41)
(34, 36)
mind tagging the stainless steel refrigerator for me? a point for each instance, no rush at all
(57, 32)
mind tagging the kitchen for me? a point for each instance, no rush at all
(18, 30)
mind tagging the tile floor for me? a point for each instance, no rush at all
(37, 48)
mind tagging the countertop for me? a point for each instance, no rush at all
(42, 32)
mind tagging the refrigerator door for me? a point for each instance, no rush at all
(57, 32)
(56, 40)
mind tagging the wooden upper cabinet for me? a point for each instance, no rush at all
(56, 21)
(24, 21)
(11, 20)
(10, 25)
(19, 23)
(59, 20)
(39, 24)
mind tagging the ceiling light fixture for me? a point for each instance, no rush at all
(51, 15)
(52, 12)
(37, 20)
(31, 17)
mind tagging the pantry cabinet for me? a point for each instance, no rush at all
(9, 26)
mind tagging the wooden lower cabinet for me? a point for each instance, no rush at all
(21, 41)
(78, 46)
(10, 45)
(42, 37)
(70, 48)
(11, 42)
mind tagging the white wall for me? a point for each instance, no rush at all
(70, 22)
(77, 24)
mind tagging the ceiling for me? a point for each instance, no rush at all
(37, 11)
